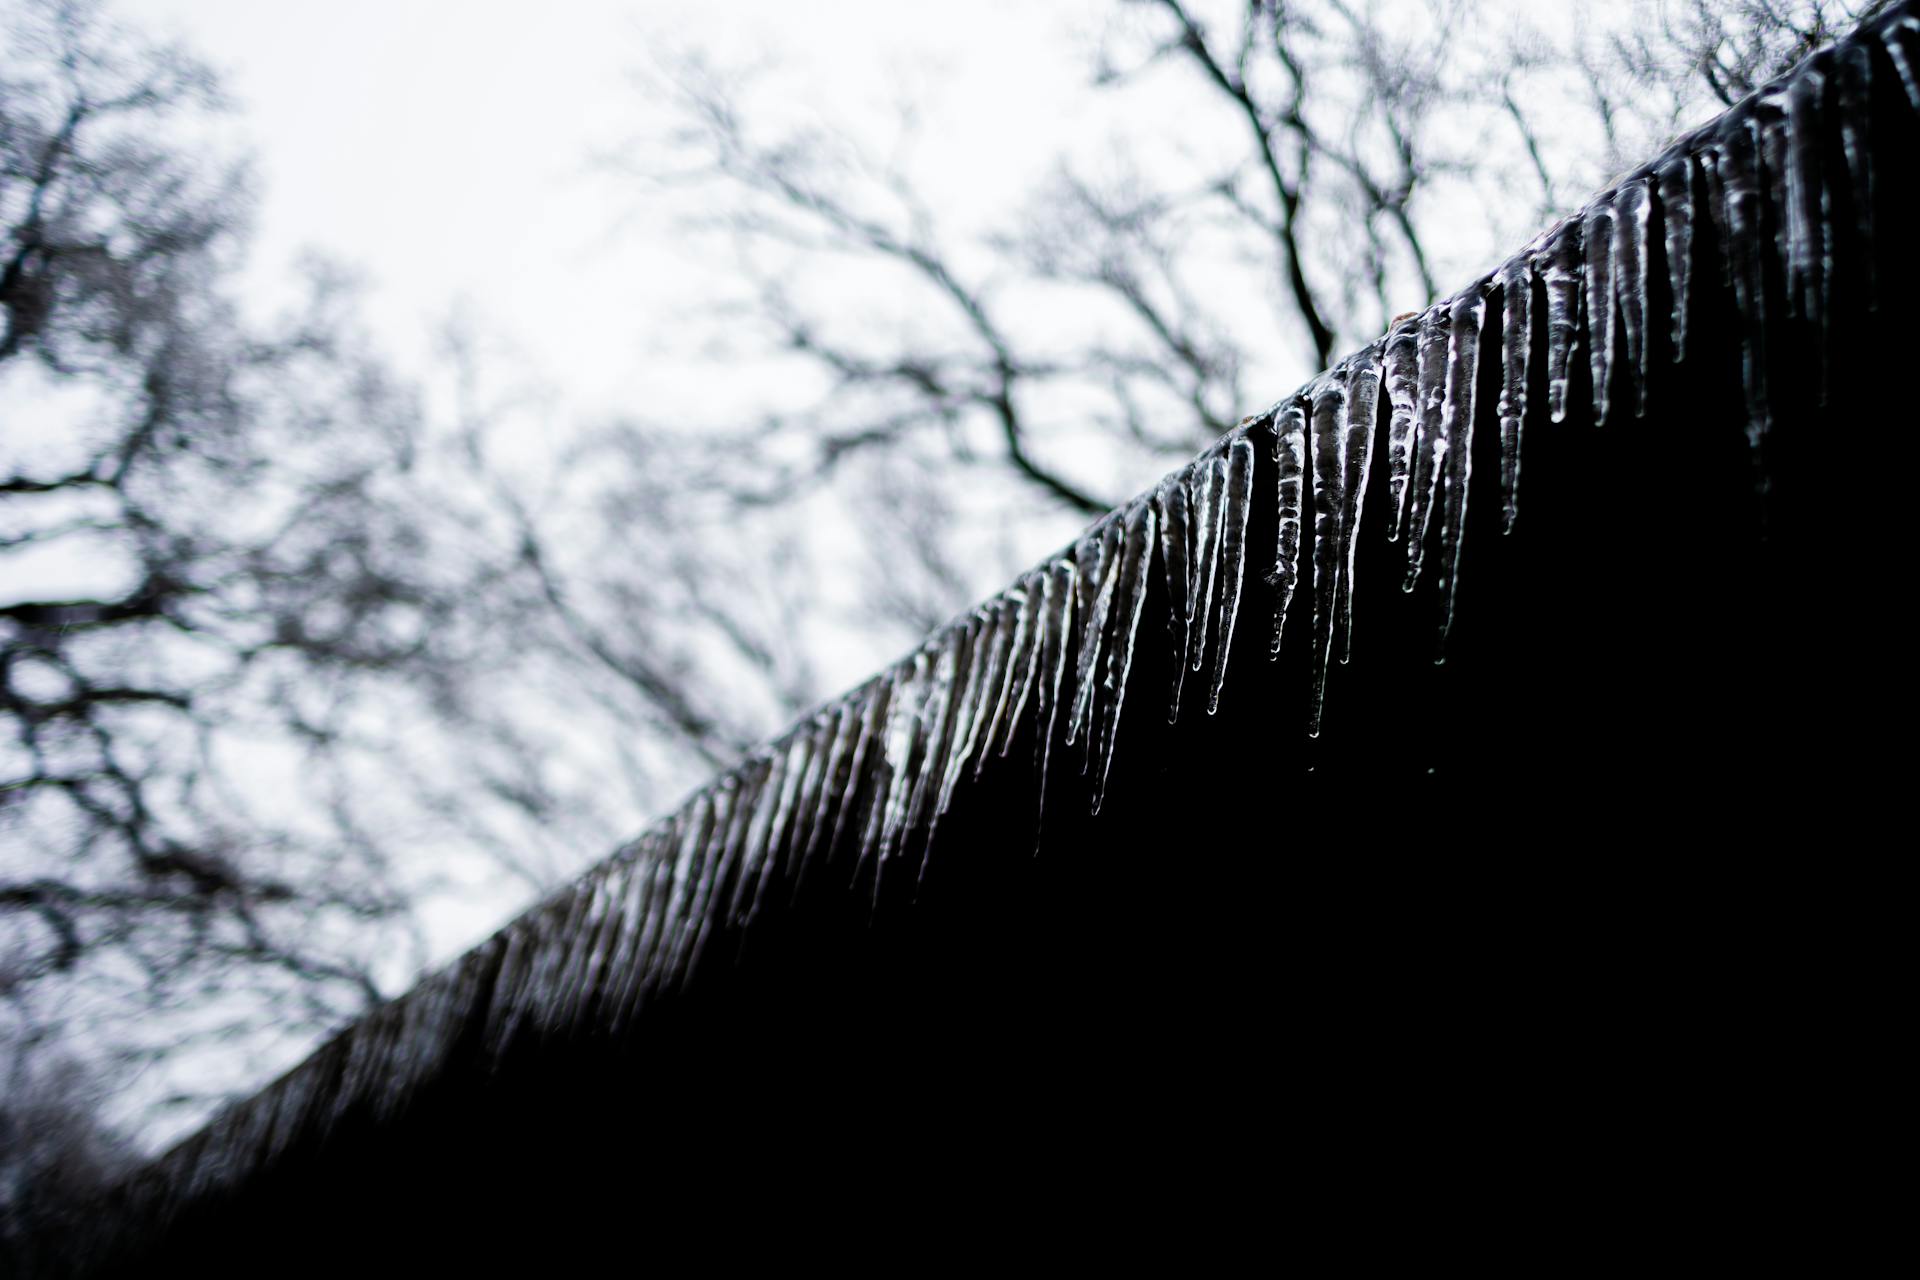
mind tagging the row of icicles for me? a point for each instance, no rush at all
(1054, 652)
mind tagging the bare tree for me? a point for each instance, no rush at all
(282, 651)
(1360, 153)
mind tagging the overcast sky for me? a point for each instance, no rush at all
(447, 150)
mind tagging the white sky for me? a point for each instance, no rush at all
(446, 149)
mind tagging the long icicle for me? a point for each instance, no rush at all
(1363, 409)
(1516, 344)
(1675, 177)
(1328, 443)
(1402, 363)
(1430, 442)
(1560, 268)
(1175, 543)
(1468, 316)
(1289, 465)
(1130, 598)
(1233, 557)
(1597, 235)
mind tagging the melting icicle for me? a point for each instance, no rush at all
(872, 737)
(1562, 276)
(1171, 500)
(972, 711)
(894, 785)
(1207, 496)
(1289, 464)
(1737, 211)
(1854, 87)
(799, 763)
(1403, 394)
(1430, 442)
(950, 674)
(836, 781)
(753, 778)
(723, 801)
(1328, 443)
(1098, 556)
(1516, 342)
(1363, 408)
(1675, 179)
(1057, 620)
(1233, 558)
(820, 733)
(1597, 235)
(1469, 315)
(1901, 39)
(1809, 212)
(746, 887)
(1130, 597)
(1009, 652)
(1632, 261)
(1037, 587)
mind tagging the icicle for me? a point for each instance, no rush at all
(1769, 121)
(894, 785)
(988, 645)
(1403, 394)
(874, 718)
(1011, 631)
(1809, 213)
(1098, 556)
(835, 782)
(1901, 39)
(1632, 261)
(1469, 315)
(1675, 178)
(949, 679)
(1854, 87)
(1289, 464)
(1328, 446)
(1171, 499)
(693, 915)
(820, 734)
(787, 811)
(1561, 273)
(1597, 235)
(1130, 597)
(1430, 441)
(757, 853)
(1737, 211)
(1057, 620)
(1206, 497)
(752, 781)
(1036, 586)
(1233, 557)
(1363, 408)
(1516, 342)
